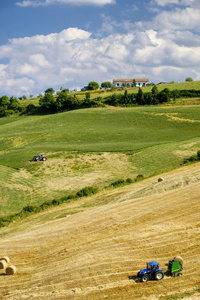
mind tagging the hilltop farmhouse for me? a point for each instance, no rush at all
(129, 82)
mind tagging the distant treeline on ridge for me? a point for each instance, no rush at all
(65, 101)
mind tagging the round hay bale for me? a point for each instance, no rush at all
(179, 259)
(11, 270)
(3, 264)
(6, 258)
(160, 179)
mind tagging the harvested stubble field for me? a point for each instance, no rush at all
(92, 248)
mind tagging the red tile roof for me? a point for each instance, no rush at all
(131, 80)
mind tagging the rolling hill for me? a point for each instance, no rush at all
(90, 147)
(93, 248)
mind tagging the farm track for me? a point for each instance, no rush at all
(97, 252)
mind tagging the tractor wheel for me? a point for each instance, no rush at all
(180, 274)
(159, 275)
(44, 158)
(145, 278)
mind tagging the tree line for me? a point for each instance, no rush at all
(10, 106)
(65, 101)
(150, 98)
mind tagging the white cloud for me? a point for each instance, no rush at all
(35, 3)
(74, 57)
(165, 2)
(188, 3)
(183, 19)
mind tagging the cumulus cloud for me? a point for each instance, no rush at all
(35, 3)
(74, 57)
(164, 2)
(166, 48)
(187, 3)
(181, 19)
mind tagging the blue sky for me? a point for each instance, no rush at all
(68, 43)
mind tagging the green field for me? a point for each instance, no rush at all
(90, 147)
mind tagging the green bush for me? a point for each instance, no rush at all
(122, 182)
(117, 183)
(192, 158)
(139, 178)
(87, 191)
(129, 180)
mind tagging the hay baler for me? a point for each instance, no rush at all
(175, 266)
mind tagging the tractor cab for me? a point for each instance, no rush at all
(153, 266)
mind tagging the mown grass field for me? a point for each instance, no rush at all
(90, 147)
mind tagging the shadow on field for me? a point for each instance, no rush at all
(133, 277)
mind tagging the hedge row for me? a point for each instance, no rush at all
(86, 191)
(150, 98)
(192, 158)
(30, 209)
(122, 182)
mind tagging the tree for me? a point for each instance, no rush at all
(134, 83)
(164, 95)
(14, 104)
(49, 91)
(87, 97)
(4, 101)
(154, 92)
(48, 103)
(188, 79)
(125, 96)
(106, 85)
(65, 101)
(93, 85)
(174, 94)
(140, 97)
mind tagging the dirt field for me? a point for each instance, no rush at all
(94, 247)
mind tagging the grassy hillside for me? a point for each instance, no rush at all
(93, 248)
(90, 147)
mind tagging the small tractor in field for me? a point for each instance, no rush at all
(40, 157)
(175, 266)
(152, 271)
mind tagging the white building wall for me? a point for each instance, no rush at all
(138, 84)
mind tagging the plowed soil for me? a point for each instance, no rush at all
(93, 248)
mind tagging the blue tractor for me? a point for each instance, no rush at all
(152, 271)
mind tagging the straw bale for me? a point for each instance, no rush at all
(3, 264)
(160, 179)
(178, 258)
(11, 270)
(6, 258)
